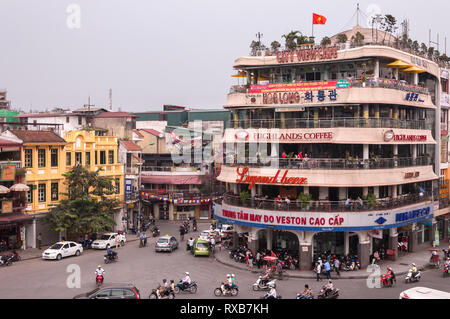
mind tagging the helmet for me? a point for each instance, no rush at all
(232, 275)
(413, 264)
(228, 275)
(389, 268)
(164, 280)
(187, 273)
(99, 267)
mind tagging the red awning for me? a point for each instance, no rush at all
(173, 180)
(14, 218)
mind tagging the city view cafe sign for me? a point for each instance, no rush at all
(311, 54)
(316, 221)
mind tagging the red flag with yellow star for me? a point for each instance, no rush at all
(318, 19)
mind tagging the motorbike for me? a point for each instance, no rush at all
(155, 232)
(99, 280)
(194, 227)
(446, 271)
(300, 296)
(266, 296)
(446, 254)
(155, 295)
(110, 258)
(333, 294)
(192, 288)
(142, 242)
(14, 256)
(6, 260)
(410, 278)
(386, 281)
(261, 284)
(233, 292)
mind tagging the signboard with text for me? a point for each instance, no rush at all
(8, 173)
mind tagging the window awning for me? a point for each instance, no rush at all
(14, 218)
(172, 180)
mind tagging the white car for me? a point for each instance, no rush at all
(108, 240)
(62, 249)
(205, 235)
(423, 293)
(226, 231)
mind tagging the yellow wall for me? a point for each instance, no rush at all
(86, 142)
(44, 175)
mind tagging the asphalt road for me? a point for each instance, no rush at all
(145, 269)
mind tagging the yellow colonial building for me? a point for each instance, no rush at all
(97, 153)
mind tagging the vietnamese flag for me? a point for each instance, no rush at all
(318, 19)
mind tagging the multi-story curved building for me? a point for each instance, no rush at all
(349, 134)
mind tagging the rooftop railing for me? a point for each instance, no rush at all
(336, 163)
(327, 206)
(331, 123)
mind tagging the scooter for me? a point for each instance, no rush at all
(386, 281)
(300, 296)
(261, 284)
(6, 260)
(110, 258)
(192, 288)
(410, 278)
(446, 271)
(333, 294)
(155, 294)
(142, 242)
(223, 292)
(266, 296)
(155, 232)
(99, 280)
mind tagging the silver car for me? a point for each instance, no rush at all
(166, 243)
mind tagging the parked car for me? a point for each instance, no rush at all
(423, 293)
(201, 248)
(108, 240)
(62, 249)
(204, 235)
(112, 291)
(226, 231)
(166, 243)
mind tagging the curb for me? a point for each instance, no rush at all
(401, 273)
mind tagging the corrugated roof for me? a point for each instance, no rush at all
(138, 133)
(115, 114)
(151, 131)
(6, 142)
(38, 136)
(131, 146)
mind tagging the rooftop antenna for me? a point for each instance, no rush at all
(357, 14)
(259, 35)
(110, 99)
(89, 103)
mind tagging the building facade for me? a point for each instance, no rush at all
(333, 149)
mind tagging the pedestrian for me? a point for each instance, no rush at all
(258, 259)
(39, 240)
(318, 271)
(250, 260)
(182, 232)
(327, 269)
(336, 266)
(118, 240)
(190, 243)
(212, 242)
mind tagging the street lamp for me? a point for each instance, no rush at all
(139, 196)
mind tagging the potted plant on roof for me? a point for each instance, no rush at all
(304, 200)
(244, 196)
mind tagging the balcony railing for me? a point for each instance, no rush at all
(331, 123)
(328, 206)
(327, 163)
(18, 164)
(189, 169)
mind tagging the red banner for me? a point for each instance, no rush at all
(301, 86)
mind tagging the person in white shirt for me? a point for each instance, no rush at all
(186, 281)
(272, 294)
(99, 271)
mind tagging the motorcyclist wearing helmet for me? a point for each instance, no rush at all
(413, 269)
(99, 271)
(164, 288)
(447, 262)
(390, 275)
(226, 287)
(272, 294)
(186, 281)
(233, 281)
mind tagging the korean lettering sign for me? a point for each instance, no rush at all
(300, 97)
(413, 97)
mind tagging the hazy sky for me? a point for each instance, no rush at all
(152, 53)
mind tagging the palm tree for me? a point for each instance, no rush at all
(341, 38)
(325, 41)
(358, 38)
(290, 40)
(275, 45)
(389, 25)
(415, 46)
(430, 52)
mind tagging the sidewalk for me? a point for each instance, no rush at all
(400, 266)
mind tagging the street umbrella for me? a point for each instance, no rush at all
(270, 258)
(19, 188)
(4, 189)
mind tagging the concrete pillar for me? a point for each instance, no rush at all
(365, 191)
(253, 241)
(253, 194)
(394, 191)
(236, 120)
(316, 118)
(282, 119)
(416, 78)
(445, 232)
(395, 151)
(365, 151)
(414, 151)
(269, 239)
(274, 150)
(306, 250)
(306, 189)
(235, 189)
(376, 191)
(377, 69)
(342, 193)
(413, 239)
(346, 243)
(393, 242)
(366, 114)
(396, 73)
(235, 239)
(364, 249)
(323, 192)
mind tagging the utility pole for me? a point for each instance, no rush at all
(259, 36)
(110, 99)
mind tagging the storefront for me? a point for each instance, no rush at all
(12, 230)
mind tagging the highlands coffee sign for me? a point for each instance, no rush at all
(244, 178)
(302, 55)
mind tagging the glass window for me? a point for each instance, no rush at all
(41, 158)
(30, 194)
(28, 158)
(117, 293)
(54, 191)
(67, 119)
(54, 157)
(96, 158)
(117, 184)
(102, 157)
(79, 120)
(68, 159)
(88, 158)
(41, 192)
(110, 157)
(78, 159)
(103, 294)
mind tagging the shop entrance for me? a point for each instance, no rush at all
(282, 241)
(353, 242)
(328, 243)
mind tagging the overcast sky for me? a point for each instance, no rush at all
(152, 53)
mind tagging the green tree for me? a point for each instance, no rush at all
(341, 38)
(430, 52)
(275, 46)
(423, 48)
(291, 40)
(86, 207)
(325, 41)
(357, 39)
(389, 25)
